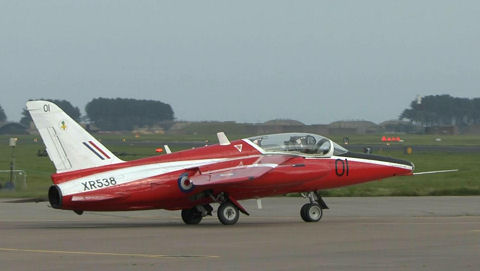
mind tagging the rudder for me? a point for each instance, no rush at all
(69, 146)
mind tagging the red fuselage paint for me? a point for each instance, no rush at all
(287, 174)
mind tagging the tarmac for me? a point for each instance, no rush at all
(381, 233)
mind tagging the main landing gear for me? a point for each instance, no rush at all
(228, 212)
(194, 215)
(313, 211)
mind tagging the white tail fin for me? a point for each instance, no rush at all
(69, 146)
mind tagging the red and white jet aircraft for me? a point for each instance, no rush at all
(91, 178)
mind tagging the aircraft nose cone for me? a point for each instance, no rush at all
(379, 158)
(413, 166)
(404, 167)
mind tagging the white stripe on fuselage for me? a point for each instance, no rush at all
(130, 174)
(376, 162)
(125, 175)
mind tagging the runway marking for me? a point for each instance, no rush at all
(106, 253)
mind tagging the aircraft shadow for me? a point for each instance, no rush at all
(56, 225)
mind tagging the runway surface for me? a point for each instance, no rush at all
(400, 233)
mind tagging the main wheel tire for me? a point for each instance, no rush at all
(228, 213)
(191, 216)
(311, 212)
(303, 212)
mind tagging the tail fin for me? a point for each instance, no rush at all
(69, 146)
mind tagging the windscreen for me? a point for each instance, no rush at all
(298, 143)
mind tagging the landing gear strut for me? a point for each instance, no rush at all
(313, 211)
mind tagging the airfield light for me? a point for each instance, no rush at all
(12, 143)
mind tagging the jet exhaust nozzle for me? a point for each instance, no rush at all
(55, 196)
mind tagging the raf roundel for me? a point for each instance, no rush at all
(184, 183)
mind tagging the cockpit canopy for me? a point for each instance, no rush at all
(298, 143)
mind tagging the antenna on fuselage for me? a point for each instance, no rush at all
(436, 171)
(222, 139)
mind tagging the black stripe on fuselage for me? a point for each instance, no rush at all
(377, 158)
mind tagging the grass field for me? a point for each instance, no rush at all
(464, 182)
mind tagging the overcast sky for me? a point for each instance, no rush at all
(247, 61)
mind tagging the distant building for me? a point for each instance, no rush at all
(353, 127)
(473, 129)
(284, 122)
(441, 130)
(400, 126)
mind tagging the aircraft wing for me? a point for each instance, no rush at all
(239, 173)
(229, 176)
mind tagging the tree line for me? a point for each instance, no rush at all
(115, 114)
(3, 117)
(434, 110)
(127, 114)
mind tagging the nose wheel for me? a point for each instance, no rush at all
(313, 211)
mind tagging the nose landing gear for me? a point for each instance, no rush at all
(313, 211)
